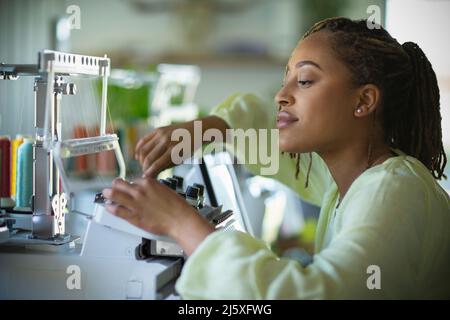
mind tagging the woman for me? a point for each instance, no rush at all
(363, 111)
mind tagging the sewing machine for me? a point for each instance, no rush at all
(43, 256)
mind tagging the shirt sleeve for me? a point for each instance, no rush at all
(375, 253)
(247, 112)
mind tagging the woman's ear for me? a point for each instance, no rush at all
(369, 99)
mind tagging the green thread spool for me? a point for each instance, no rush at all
(5, 176)
(24, 183)
(0, 165)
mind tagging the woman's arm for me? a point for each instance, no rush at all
(154, 150)
(382, 228)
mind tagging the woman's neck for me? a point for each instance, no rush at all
(348, 164)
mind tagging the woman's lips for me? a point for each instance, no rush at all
(284, 119)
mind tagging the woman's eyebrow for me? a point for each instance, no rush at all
(301, 64)
(307, 62)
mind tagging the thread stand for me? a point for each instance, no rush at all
(52, 72)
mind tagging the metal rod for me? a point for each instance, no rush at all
(104, 102)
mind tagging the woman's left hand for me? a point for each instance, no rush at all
(154, 207)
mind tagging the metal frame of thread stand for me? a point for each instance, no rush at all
(48, 201)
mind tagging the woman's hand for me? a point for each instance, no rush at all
(154, 207)
(154, 150)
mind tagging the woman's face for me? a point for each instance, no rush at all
(317, 101)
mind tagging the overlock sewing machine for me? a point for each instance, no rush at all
(68, 246)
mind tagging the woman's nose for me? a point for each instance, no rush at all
(283, 98)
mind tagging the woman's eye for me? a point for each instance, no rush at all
(304, 83)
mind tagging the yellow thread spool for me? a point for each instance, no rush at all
(14, 147)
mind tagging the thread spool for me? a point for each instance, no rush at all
(131, 141)
(5, 147)
(24, 181)
(1, 171)
(106, 163)
(106, 160)
(5, 176)
(80, 163)
(14, 149)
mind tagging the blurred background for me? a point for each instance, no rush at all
(173, 60)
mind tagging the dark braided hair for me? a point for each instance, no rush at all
(410, 110)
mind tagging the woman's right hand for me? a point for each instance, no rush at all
(154, 150)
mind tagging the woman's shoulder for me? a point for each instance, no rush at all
(401, 183)
(407, 173)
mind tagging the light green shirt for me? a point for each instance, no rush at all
(392, 230)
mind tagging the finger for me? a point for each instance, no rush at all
(129, 188)
(157, 166)
(146, 183)
(106, 193)
(153, 156)
(142, 142)
(146, 149)
(144, 139)
(122, 212)
(121, 181)
(120, 197)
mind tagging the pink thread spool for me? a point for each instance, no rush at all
(5, 174)
(106, 160)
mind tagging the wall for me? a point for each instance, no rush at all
(427, 24)
(134, 38)
(25, 28)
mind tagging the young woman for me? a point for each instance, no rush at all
(362, 110)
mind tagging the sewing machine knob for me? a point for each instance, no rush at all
(173, 183)
(201, 189)
(192, 192)
(179, 181)
(165, 182)
(192, 196)
(142, 251)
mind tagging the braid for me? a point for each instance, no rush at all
(423, 100)
(297, 166)
(411, 124)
